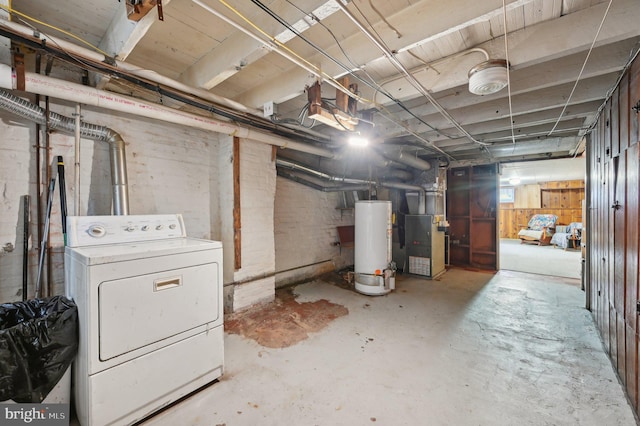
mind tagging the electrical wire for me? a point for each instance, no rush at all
(12, 11)
(275, 42)
(506, 53)
(584, 64)
(372, 84)
(310, 67)
(384, 19)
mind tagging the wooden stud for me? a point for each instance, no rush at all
(237, 223)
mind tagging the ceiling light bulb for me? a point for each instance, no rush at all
(514, 181)
(488, 77)
(358, 141)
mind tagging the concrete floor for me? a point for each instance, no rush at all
(468, 349)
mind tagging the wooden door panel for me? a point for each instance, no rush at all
(631, 364)
(619, 235)
(634, 97)
(623, 109)
(613, 337)
(631, 211)
(615, 121)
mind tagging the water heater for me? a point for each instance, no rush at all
(374, 273)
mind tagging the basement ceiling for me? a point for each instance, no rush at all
(409, 58)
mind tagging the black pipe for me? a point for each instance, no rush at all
(63, 197)
(25, 246)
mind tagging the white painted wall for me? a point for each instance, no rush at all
(173, 169)
(305, 230)
(169, 170)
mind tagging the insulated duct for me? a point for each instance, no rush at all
(318, 187)
(25, 109)
(363, 184)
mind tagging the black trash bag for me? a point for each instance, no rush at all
(38, 341)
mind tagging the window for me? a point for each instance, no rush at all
(507, 195)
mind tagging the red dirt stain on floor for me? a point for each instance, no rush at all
(284, 322)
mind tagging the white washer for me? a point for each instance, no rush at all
(150, 314)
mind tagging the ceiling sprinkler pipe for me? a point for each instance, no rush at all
(60, 89)
(25, 109)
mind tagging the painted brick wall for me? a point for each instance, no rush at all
(305, 230)
(169, 169)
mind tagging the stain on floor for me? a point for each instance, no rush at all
(284, 322)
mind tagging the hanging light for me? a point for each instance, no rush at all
(488, 77)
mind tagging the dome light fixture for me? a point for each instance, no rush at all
(514, 181)
(488, 77)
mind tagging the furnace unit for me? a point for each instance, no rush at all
(424, 245)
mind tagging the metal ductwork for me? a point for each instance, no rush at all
(355, 184)
(25, 109)
(317, 187)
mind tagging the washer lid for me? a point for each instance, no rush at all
(95, 255)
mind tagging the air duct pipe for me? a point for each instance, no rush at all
(406, 159)
(364, 183)
(300, 168)
(32, 112)
(36, 83)
(318, 187)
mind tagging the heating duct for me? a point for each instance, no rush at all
(352, 184)
(59, 122)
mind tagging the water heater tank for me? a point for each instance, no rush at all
(373, 247)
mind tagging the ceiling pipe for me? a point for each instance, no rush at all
(280, 164)
(403, 157)
(25, 109)
(76, 50)
(274, 46)
(47, 86)
(301, 168)
(317, 187)
(400, 67)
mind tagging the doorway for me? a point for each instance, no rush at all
(550, 187)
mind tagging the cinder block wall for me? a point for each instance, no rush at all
(305, 232)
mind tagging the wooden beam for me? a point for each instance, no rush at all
(237, 223)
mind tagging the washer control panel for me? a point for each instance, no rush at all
(97, 230)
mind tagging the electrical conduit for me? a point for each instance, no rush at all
(36, 83)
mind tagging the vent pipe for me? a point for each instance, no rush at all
(25, 109)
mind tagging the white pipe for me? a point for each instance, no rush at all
(36, 83)
(76, 163)
(274, 47)
(129, 68)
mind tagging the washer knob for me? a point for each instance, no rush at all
(130, 228)
(97, 231)
(159, 227)
(172, 226)
(145, 228)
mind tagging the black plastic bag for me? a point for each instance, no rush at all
(38, 341)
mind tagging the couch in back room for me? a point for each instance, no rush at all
(540, 229)
(567, 236)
